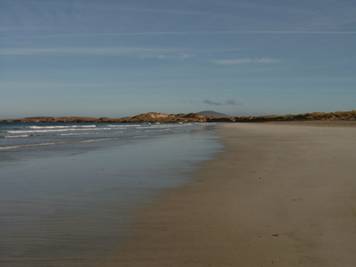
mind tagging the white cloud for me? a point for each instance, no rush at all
(239, 61)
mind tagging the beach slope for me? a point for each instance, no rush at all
(278, 195)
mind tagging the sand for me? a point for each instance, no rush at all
(278, 195)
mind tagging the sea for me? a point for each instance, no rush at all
(69, 192)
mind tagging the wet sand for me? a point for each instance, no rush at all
(278, 195)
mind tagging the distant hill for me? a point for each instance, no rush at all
(212, 113)
(313, 116)
(203, 116)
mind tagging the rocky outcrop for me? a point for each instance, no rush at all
(155, 117)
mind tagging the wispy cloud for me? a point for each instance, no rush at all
(228, 102)
(164, 11)
(158, 53)
(239, 61)
(242, 32)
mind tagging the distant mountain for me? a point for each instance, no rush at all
(212, 113)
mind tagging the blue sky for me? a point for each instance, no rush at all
(115, 58)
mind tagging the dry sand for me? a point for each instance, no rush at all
(279, 195)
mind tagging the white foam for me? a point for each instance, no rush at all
(96, 140)
(17, 136)
(62, 127)
(8, 147)
(164, 126)
(123, 126)
(74, 134)
(89, 141)
(30, 145)
(55, 130)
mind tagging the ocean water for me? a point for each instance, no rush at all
(68, 192)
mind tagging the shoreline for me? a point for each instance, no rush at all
(278, 195)
(73, 205)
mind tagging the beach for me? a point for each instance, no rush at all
(278, 195)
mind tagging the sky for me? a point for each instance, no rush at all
(122, 57)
